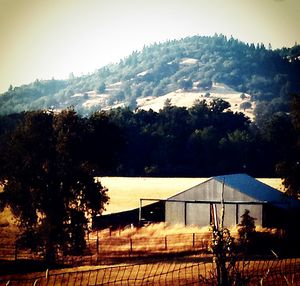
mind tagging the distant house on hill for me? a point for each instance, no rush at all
(193, 206)
(240, 192)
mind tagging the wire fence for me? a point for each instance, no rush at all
(254, 272)
(113, 249)
(199, 269)
(101, 248)
(131, 245)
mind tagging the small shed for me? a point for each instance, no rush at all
(239, 192)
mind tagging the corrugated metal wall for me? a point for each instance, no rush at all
(175, 212)
(192, 213)
(197, 214)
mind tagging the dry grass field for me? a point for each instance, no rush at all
(194, 268)
(177, 272)
(151, 273)
(125, 192)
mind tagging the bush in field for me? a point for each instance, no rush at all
(246, 228)
(222, 248)
(245, 105)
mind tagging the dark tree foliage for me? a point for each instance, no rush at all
(289, 167)
(178, 141)
(49, 182)
(8, 123)
(245, 105)
(101, 88)
(204, 140)
(186, 84)
(102, 143)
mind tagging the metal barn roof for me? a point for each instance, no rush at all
(256, 189)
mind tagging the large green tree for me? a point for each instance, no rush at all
(49, 183)
(289, 169)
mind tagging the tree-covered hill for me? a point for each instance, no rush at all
(189, 64)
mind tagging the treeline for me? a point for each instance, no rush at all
(267, 75)
(204, 140)
(200, 141)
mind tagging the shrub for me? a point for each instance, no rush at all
(247, 227)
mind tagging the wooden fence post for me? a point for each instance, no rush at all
(97, 244)
(131, 245)
(166, 243)
(16, 251)
(193, 240)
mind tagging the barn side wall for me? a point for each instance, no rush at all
(197, 214)
(192, 213)
(175, 213)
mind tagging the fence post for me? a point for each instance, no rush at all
(16, 251)
(193, 240)
(166, 243)
(97, 244)
(131, 245)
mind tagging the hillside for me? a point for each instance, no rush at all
(187, 99)
(180, 70)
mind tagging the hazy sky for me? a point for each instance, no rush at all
(41, 39)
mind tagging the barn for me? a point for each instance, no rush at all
(188, 201)
(267, 205)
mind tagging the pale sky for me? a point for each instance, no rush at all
(41, 39)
